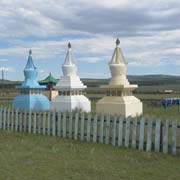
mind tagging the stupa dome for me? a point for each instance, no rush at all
(117, 67)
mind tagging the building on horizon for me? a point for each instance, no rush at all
(49, 82)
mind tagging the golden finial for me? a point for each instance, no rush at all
(69, 45)
(117, 41)
(30, 52)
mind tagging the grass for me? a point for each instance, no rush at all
(171, 113)
(148, 109)
(151, 88)
(142, 88)
(156, 96)
(27, 156)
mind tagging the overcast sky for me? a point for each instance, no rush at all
(149, 32)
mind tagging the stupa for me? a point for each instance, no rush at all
(30, 96)
(119, 99)
(70, 88)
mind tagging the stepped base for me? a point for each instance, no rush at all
(31, 101)
(70, 103)
(125, 105)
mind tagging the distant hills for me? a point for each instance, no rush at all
(154, 79)
(141, 80)
(157, 79)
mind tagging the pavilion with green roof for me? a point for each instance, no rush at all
(49, 82)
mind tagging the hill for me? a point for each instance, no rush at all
(141, 80)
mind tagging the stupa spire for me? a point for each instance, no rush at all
(69, 57)
(117, 42)
(69, 45)
(30, 51)
(118, 56)
(117, 61)
(30, 74)
(30, 64)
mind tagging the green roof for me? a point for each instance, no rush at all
(49, 80)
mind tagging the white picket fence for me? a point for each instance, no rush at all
(141, 133)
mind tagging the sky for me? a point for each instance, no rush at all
(149, 32)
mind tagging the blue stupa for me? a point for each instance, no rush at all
(30, 96)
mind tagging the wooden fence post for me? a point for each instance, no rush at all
(20, 121)
(127, 133)
(76, 126)
(1, 118)
(25, 121)
(114, 131)
(12, 119)
(64, 124)
(59, 124)
(70, 124)
(120, 131)
(82, 127)
(134, 133)
(89, 127)
(16, 125)
(8, 119)
(39, 122)
(107, 129)
(149, 135)
(174, 136)
(30, 121)
(157, 135)
(48, 123)
(44, 123)
(101, 136)
(34, 123)
(141, 135)
(95, 128)
(165, 137)
(54, 123)
(4, 118)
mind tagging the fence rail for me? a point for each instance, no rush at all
(141, 133)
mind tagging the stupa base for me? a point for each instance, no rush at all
(70, 103)
(125, 105)
(31, 102)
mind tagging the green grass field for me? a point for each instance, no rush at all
(164, 86)
(171, 113)
(148, 109)
(27, 156)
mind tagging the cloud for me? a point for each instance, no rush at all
(3, 60)
(118, 18)
(41, 71)
(144, 51)
(7, 69)
(149, 32)
(89, 59)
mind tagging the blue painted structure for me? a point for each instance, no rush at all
(169, 101)
(30, 96)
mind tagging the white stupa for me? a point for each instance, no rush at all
(119, 99)
(70, 88)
